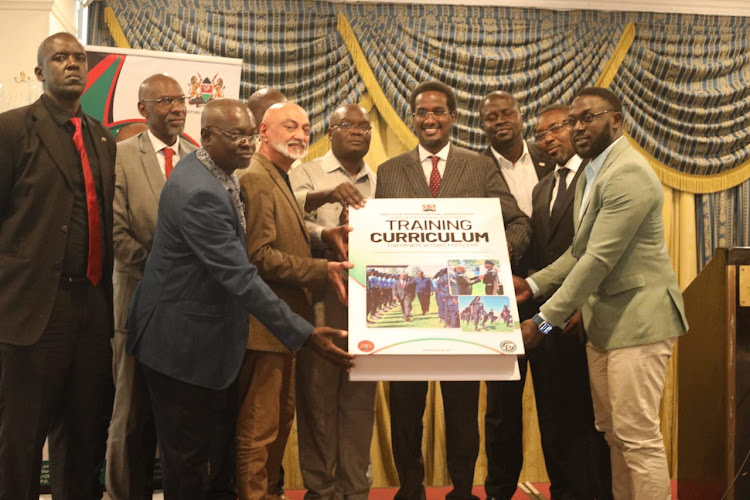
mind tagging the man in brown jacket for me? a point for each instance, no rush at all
(279, 245)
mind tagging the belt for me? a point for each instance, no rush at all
(69, 280)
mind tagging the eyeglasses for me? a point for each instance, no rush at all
(423, 114)
(167, 102)
(363, 127)
(586, 119)
(553, 129)
(237, 138)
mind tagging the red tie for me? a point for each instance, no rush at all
(168, 154)
(435, 177)
(94, 269)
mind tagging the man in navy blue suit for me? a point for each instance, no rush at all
(188, 322)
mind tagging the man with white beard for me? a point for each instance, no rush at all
(279, 245)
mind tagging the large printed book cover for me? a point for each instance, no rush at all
(432, 278)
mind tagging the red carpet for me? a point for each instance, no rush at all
(438, 493)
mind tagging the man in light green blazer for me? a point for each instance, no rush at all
(618, 274)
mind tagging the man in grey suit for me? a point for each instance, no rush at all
(618, 273)
(143, 164)
(436, 168)
(188, 322)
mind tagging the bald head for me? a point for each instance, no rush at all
(285, 134)
(263, 99)
(350, 135)
(152, 86)
(217, 112)
(50, 42)
(502, 122)
(62, 68)
(161, 102)
(226, 134)
(500, 94)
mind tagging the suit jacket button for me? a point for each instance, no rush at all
(64, 228)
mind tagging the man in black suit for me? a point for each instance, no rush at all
(576, 454)
(522, 165)
(56, 189)
(436, 168)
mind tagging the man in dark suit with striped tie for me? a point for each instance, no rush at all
(436, 168)
(575, 453)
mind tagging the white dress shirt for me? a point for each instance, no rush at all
(520, 176)
(573, 165)
(159, 146)
(425, 158)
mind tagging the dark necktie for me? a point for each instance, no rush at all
(435, 176)
(562, 189)
(94, 268)
(168, 154)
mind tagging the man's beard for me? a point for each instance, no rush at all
(283, 148)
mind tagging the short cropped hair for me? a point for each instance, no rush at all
(604, 94)
(554, 107)
(433, 86)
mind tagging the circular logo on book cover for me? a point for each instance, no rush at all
(366, 346)
(508, 346)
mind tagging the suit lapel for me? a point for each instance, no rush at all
(286, 193)
(46, 128)
(150, 166)
(488, 152)
(454, 172)
(542, 165)
(611, 157)
(415, 175)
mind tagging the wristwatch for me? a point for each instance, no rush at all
(542, 324)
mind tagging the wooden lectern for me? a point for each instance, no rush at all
(714, 381)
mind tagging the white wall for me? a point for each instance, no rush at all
(23, 25)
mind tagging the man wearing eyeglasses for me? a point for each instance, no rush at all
(278, 243)
(334, 415)
(618, 273)
(144, 162)
(575, 453)
(188, 321)
(438, 169)
(521, 165)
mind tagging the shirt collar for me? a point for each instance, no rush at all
(595, 165)
(330, 164)
(225, 179)
(442, 154)
(59, 115)
(158, 144)
(573, 164)
(506, 162)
